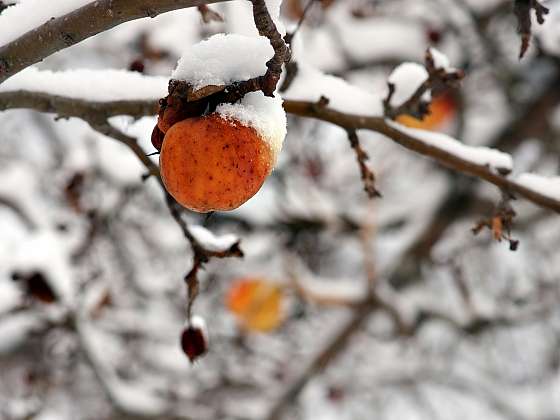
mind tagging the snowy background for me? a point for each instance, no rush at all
(76, 214)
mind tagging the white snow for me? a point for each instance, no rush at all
(197, 322)
(10, 296)
(226, 58)
(92, 85)
(266, 115)
(239, 17)
(330, 291)
(48, 252)
(406, 79)
(440, 60)
(25, 193)
(484, 156)
(116, 160)
(548, 186)
(211, 241)
(136, 398)
(273, 7)
(15, 329)
(29, 14)
(310, 84)
(379, 37)
(223, 59)
(549, 32)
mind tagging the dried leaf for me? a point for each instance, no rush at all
(256, 303)
(497, 228)
(205, 91)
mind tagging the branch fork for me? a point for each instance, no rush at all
(439, 81)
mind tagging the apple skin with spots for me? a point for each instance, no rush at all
(210, 163)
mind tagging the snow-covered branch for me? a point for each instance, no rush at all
(63, 28)
(487, 164)
(477, 162)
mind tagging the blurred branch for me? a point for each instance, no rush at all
(463, 386)
(63, 32)
(19, 211)
(332, 349)
(522, 10)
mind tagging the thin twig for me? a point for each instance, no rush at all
(201, 255)
(368, 177)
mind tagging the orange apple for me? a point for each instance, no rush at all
(442, 109)
(212, 163)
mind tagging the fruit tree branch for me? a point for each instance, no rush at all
(267, 28)
(201, 254)
(62, 32)
(349, 122)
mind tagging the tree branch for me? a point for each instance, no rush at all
(349, 122)
(380, 125)
(66, 107)
(267, 28)
(62, 32)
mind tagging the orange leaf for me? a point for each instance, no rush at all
(497, 228)
(256, 303)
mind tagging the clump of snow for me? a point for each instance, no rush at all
(92, 85)
(484, 156)
(26, 15)
(311, 84)
(211, 241)
(223, 59)
(440, 60)
(406, 79)
(266, 115)
(547, 186)
(226, 58)
(197, 322)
